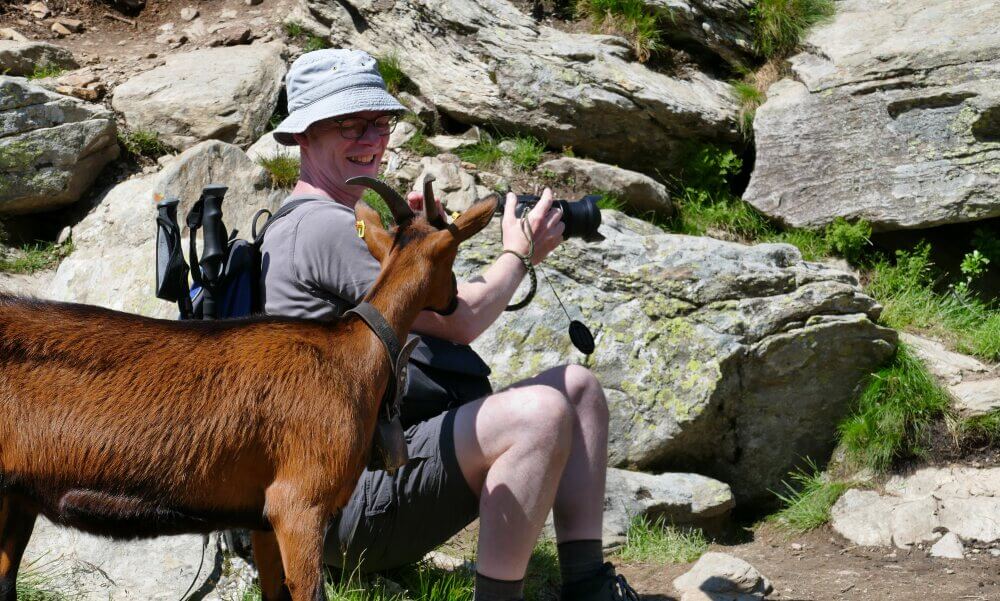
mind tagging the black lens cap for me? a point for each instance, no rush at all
(582, 339)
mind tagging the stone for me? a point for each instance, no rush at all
(453, 186)
(419, 107)
(711, 29)
(227, 15)
(710, 352)
(402, 134)
(189, 13)
(232, 35)
(914, 508)
(64, 235)
(253, 2)
(639, 192)
(267, 147)
(949, 547)
(452, 143)
(6, 33)
(491, 63)
(159, 569)
(116, 242)
(38, 10)
(52, 147)
(227, 94)
(60, 29)
(722, 577)
(893, 117)
(73, 25)
(974, 387)
(22, 58)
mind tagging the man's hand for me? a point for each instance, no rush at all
(546, 227)
(416, 201)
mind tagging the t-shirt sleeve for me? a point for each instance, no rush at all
(330, 257)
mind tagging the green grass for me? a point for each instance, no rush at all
(293, 29)
(542, 580)
(655, 541)
(484, 153)
(35, 257)
(396, 80)
(632, 19)
(418, 143)
(282, 168)
(907, 288)
(40, 582)
(807, 499)
(46, 70)
(779, 25)
(982, 430)
(375, 201)
(315, 42)
(749, 98)
(893, 417)
(525, 156)
(142, 142)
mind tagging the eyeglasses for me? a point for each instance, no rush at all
(354, 128)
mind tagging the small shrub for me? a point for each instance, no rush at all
(987, 242)
(632, 19)
(392, 72)
(292, 29)
(282, 168)
(807, 499)
(894, 414)
(567, 151)
(982, 430)
(527, 152)
(779, 25)
(142, 143)
(655, 541)
(847, 239)
(46, 70)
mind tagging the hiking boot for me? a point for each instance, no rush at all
(606, 585)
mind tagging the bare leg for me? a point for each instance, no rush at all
(267, 556)
(16, 523)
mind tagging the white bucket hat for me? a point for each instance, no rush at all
(331, 83)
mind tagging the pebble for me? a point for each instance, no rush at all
(995, 552)
(189, 13)
(797, 546)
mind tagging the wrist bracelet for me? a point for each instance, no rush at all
(526, 261)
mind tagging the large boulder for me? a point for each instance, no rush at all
(114, 262)
(712, 28)
(732, 361)
(487, 62)
(637, 191)
(52, 147)
(226, 94)
(22, 58)
(893, 117)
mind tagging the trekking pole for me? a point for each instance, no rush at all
(214, 254)
(171, 270)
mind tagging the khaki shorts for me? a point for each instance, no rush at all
(391, 521)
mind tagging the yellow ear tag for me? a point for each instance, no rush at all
(361, 228)
(455, 215)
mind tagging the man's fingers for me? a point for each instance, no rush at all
(543, 206)
(510, 207)
(415, 200)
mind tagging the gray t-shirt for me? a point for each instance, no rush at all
(314, 264)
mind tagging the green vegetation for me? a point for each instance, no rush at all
(38, 582)
(655, 541)
(34, 257)
(418, 143)
(633, 19)
(46, 70)
(543, 578)
(283, 169)
(525, 152)
(315, 42)
(894, 415)
(375, 201)
(293, 29)
(779, 25)
(749, 97)
(484, 154)
(392, 72)
(982, 430)
(142, 143)
(807, 499)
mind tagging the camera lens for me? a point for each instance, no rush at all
(581, 218)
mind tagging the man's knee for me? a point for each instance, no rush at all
(587, 394)
(544, 415)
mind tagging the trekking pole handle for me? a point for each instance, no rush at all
(214, 237)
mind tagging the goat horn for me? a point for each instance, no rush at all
(430, 205)
(397, 205)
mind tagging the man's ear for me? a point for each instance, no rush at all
(473, 219)
(370, 228)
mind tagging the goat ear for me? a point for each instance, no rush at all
(378, 240)
(473, 219)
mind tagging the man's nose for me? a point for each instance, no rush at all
(371, 135)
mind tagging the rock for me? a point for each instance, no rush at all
(681, 499)
(716, 28)
(722, 577)
(453, 186)
(894, 113)
(38, 10)
(949, 547)
(225, 94)
(401, 134)
(83, 84)
(232, 35)
(451, 143)
(961, 500)
(189, 13)
(52, 147)
(60, 30)
(710, 352)
(227, 15)
(267, 147)
(112, 265)
(491, 63)
(422, 109)
(153, 569)
(254, 2)
(197, 29)
(6, 33)
(638, 191)
(974, 387)
(71, 25)
(22, 58)
(64, 235)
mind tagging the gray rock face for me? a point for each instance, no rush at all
(915, 509)
(974, 387)
(223, 94)
(636, 190)
(52, 147)
(487, 62)
(722, 577)
(731, 361)
(114, 262)
(21, 58)
(895, 114)
(156, 569)
(716, 27)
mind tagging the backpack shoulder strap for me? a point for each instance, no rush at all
(284, 210)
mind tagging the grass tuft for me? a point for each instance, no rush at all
(315, 42)
(484, 153)
(293, 29)
(40, 582)
(893, 417)
(655, 541)
(35, 257)
(807, 499)
(282, 168)
(46, 70)
(982, 430)
(142, 143)
(418, 143)
(779, 25)
(749, 97)
(527, 152)
(375, 201)
(635, 20)
(396, 80)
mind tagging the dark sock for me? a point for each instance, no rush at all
(491, 589)
(580, 559)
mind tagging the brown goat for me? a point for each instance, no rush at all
(130, 427)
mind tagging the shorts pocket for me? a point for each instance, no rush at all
(380, 494)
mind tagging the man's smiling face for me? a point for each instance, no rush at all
(333, 157)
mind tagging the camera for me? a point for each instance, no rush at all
(581, 218)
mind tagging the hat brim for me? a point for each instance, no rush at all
(345, 102)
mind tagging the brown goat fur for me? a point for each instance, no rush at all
(128, 427)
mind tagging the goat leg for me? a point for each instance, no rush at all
(300, 532)
(17, 520)
(267, 556)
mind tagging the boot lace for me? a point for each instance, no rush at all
(623, 591)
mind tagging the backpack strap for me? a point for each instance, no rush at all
(258, 237)
(194, 221)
